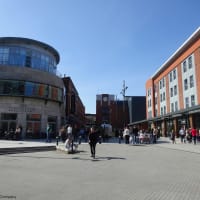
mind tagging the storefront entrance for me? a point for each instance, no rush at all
(8, 123)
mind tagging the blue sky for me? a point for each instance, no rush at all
(103, 42)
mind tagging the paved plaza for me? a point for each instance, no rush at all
(120, 172)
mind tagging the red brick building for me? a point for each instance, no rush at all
(111, 111)
(74, 108)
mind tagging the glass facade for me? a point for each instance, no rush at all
(30, 89)
(37, 99)
(26, 57)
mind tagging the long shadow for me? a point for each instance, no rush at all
(111, 158)
(41, 157)
(140, 145)
(99, 158)
(163, 141)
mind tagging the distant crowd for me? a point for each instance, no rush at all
(186, 135)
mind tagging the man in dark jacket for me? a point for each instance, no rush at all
(93, 139)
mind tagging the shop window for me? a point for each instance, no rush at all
(33, 117)
(52, 121)
(33, 126)
(8, 116)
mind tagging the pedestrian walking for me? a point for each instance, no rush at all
(69, 140)
(18, 132)
(155, 131)
(182, 134)
(135, 134)
(173, 136)
(48, 133)
(126, 134)
(194, 135)
(93, 139)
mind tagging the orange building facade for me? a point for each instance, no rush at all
(173, 92)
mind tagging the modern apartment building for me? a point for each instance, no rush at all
(31, 92)
(173, 92)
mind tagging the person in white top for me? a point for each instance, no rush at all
(182, 134)
(69, 137)
(126, 134)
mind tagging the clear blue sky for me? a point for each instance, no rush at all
(103, 42)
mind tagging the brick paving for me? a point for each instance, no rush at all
(163, 171)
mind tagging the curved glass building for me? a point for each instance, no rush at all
(31, 93)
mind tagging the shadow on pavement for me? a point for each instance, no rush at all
(163, 141)
(111, 158)
(99, 158)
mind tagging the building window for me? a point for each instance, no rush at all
(25, 57)
(184, 66)
(175, 90)
(190, 62)
(174, 74)
(191, 81)
(171, 92)
(192, 100)
(186, 102)
(185, 84)
(172, 107)
(8, 116)
(161, 111)
(33, 125)
(163, 82)
(164, 110)
(170, 76)
(149, 92)
(4, 55)
(160, 84)
(52, 121)
(176, 106)
(163, 96)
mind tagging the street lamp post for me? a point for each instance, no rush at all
(123, 92)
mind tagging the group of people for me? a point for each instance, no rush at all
(67, 136)
(136, 136)
(13, 134)
(186, 135)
